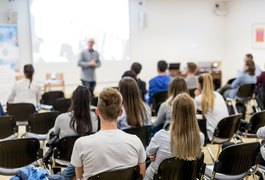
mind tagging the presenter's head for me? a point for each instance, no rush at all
(90, 43)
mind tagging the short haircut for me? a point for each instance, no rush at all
(136, 67)
(192, 67)
(249, 56)
(109, 103)
(162, 65)
(129, 74)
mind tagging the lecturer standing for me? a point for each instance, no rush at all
(88, 62)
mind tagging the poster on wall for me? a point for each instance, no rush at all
(9, 56)
(258, 36)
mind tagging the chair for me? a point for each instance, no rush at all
(94, 101)
(234, 162)
(225, 131)
(192, 92)
(244, 94)
(62, 105)
(18, 153)
(49, 98)
(142, 132)
(64, 148)
(39, 124)
(132, 173)
(174, 168)
(157, 100)
(256, 121)
(54, 80)
(21, 112)
(8, 128)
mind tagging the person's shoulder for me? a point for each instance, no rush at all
(64, 116)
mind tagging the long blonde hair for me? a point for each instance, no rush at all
(206, 82)
(177, 86)
(184, 129)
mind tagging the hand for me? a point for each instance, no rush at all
(152, 157)
(197, 92)
(92, 64)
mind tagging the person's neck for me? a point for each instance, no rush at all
(189, 74)
(108, 124)
(161, 73)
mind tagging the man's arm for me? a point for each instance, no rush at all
(98, 62)
(79, 172)
(81, 63)
(142, 168)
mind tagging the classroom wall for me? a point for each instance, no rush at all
(174, 30)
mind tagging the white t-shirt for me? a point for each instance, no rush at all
(107, 150)
(213, 117)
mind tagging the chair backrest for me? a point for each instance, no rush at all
(21, 111)
(237, 159)
(94, 101)
(62, 105)
(19, 152)
(8, 126)
(41, 123)
(49, 98)
(132, 173)
(245, 91)
(260, 97)
(173, 168)
(64, 148)
(157, 100)
(142, 132)
(226, 128)
(192, 92)
(257, 121)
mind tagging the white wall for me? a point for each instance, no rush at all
(175, 30)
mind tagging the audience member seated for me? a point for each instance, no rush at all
(183, 140)
(191, 79)
(258, 70)
(164, 115)
(160, 82)
(135, 112)
(129, 74)
(78, 121)
(245, 77)
(261, 134)
(109, 149)
(210, 103)
(137, 67)
(24, 91)
(260, 80)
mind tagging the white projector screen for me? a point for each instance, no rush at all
(61, 28)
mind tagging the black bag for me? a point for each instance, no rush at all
(52, 143)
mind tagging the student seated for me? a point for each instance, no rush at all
(160, 82)
(184, 139)
(135, 112)
(245, 77)
(136, 68)
(260, 81)
(24, 91)
(257, 68)
(109, 149)
(210, 103)
(177, 86)
(191, 78)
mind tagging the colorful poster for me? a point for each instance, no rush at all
(258, 36)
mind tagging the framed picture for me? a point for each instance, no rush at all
(258, 35)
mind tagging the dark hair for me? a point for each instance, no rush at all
(29, 71)
(129, 74)
(162, 66)
(191, 67)
(80, 105)
(249, 56)
(136, 67)
(132, 102)
(251, 67)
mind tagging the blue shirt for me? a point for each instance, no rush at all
(158, 84)
(243, 78)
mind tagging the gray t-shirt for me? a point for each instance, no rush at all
(160, 145)
(191, 82)
(62, 124)
(107, 150)
(164, 114)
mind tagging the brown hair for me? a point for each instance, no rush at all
(177, 86)
(249, 57)
(184, 129)
(251, 67)
(206, 82)
(29, 71)
(132, 102)
(192, 67)
(109, 103)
